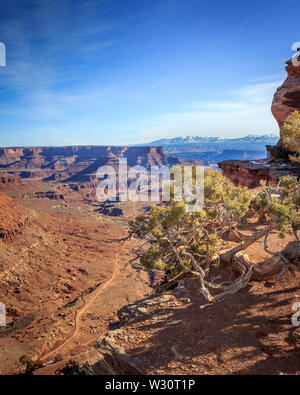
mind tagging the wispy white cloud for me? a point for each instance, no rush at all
(243, 110)
(49, 47)
(47, 38)
(257, 93)
(272, 77)
(46, 87)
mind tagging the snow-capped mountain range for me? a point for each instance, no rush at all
(213, 149)
(231, 143)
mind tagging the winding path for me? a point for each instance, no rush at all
(78, 313)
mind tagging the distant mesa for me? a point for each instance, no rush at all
(110, 210)
(78, 163)
(211, 150)
(251, 164)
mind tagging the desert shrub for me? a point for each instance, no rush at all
(31, 365)
(281, 205)
(176, 240)
(173, 233)
(290, 135)
(73, 368)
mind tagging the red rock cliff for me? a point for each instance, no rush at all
(251, 173)
(287, 97)
(78, 163)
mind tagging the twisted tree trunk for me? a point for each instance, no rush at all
(226, 257)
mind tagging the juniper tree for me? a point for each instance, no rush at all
(290, 135)
(176, 240)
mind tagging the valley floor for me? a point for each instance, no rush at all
(62, 279)
(66, 282)
(250, 332)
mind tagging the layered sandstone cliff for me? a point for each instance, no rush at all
(252, 173)
(256, 173)
(12, 217)
(287, 97)
(77, 163)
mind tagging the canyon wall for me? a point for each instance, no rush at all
(287, 97)
(77, 163)
(252, 173)
(246, 173)
(12, 217)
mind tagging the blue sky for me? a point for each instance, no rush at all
(132, 71)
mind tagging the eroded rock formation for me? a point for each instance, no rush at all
(78, 163)
(287, 97)
(247, 173)
(12, 217)
(252, 173)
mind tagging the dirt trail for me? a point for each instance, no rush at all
(78, 314)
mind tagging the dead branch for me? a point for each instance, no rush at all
(227, 256)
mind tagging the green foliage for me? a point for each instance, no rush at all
(176, 239)
(222, 195)
(281, 204)
(290, 135)
(73, 368)
(173, 234)
(260, 202)
(31, 365)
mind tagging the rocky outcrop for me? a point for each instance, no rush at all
(246, 173)
(109, 209)
(12, 217)
(9, 179)
(253, 173)
(51, 195)
(287, 97)
(286, 100)
(112, 359)
(78, 163)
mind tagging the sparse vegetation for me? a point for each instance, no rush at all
(176, 240)
(290, 134)
(31, 365)
(17, 324)
(73, 368)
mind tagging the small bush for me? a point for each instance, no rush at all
(31, 365)
(73, 368)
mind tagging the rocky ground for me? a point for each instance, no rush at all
(53, 259)
(250, 332)
(70, 293)
(66, 283)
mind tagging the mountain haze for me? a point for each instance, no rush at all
(213, 149)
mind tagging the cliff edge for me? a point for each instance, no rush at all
(269, 170)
